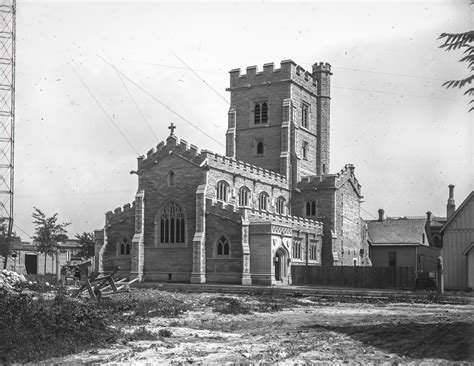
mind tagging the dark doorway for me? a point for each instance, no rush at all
(31, 263)
(277, 267)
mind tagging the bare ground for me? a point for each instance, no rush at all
(264, 329)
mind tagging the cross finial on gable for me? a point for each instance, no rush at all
(172, 128)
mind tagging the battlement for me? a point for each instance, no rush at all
(245, 169)
(331, 180)
(120, 213)
(288, 70)
(296, 222)
(192, 153)
(172, 145)
(322, 67)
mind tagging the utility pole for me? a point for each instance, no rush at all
(7, 113)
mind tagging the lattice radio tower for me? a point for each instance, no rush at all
(7, 111)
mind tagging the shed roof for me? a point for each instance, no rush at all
(400, 231)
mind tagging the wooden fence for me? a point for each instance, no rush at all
(354, 276)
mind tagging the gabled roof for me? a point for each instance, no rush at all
(460, 208)
(399, 231)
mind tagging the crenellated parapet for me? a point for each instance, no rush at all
(236, 213)
(238, 167)
(209, 159)
(120, 214)
(332, 180)
(288, 71)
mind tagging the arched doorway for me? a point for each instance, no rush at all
(280, 265)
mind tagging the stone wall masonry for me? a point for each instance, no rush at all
(288, 70)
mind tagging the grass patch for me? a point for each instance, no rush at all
(141, 334)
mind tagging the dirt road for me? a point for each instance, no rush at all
(250, 329)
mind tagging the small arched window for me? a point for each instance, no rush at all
(263, 201)
(124, 247)
(127, 249)
(222, 190)
(305, 150)
(280, 207)
(244, 194)
(171, 179)
(260, 147)
(223, 247)
(172, 226)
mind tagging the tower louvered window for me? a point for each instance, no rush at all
(260, 113)
(280, 207)
(222, 188)
(172, 225)
(257, 114)
(264, 112)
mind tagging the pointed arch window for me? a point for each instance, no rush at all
(263, 201)
(260, 147)
(311, 208)
(244, 194)
(172, 225)
(125, 247)
(171, 178)
(223, 247)
(280, 207)
(222, 190)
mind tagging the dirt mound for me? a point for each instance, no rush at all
(8, 279)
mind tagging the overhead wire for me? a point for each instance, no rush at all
(160, 102)
(105, 112)
(201, 78)
(136, 104)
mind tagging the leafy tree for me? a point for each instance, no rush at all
(48, 233)
(457, 41)
(87, 244)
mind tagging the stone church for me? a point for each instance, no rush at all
(248, 217)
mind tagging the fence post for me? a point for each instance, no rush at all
(440, 275)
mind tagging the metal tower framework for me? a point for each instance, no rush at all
(7, 111)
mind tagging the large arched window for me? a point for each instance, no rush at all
(280, 206)
(311, 208)
(223, 247)
(172, 225)
(263, 201)
(244, 194)
(222, 190)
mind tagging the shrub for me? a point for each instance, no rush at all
(230, 305)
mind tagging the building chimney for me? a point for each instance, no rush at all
(381, 213)
(428, 217)
(451, 206)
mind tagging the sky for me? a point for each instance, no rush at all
(98, 83)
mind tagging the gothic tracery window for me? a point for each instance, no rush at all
(223, 247)
(172, 225)
(260, 113)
